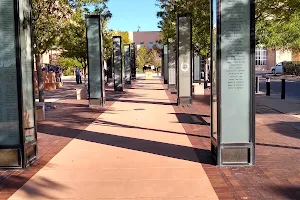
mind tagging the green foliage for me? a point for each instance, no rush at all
(200, 13)
(141, 57)
(292, 68)
(277, 22)
(68, 65)
(153, 58)
(108, 43)
(73, 40)
(48, 22)
(147, 57)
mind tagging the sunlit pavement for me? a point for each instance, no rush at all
(136, 150)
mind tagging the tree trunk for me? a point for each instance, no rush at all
(40, 78)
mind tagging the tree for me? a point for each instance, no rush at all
(200, 13)
(153, 58)
(277, 22)
(73, 40)
(47, 24)
(108, 42)
(141, 58)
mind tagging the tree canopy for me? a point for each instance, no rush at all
(277, 22)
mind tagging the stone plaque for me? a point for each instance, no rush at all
(213, 71)
(172, 66)
(127, 63)
(132, 61)
(232, 81)
(27, 71)
(184, 37)
(117, 62)
(95, 63)
(235, 70)
(166, 70)
(196, 68)
(9, 110)
(17, 103)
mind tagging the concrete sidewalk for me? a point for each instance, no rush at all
(286, 106)
(136, 150)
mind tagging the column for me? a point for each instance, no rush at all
(171, 65)
(95, 60)
(166, 70)
(127, 64)
(184, 55)
(117, 63)
(133, 61)
(232, 84)
(18, 134)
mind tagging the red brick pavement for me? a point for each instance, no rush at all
(277, 171)
(52, 137)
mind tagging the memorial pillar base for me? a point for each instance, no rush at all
(118, 89)
(233, 154)
(172, 87)
(96, 103)
(184, 101)
(40, 111)
(81, 94)
(198, 89)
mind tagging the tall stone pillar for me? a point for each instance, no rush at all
(232, 82)
(172, 65)
(165, 66)
(184, 59)
(118, 64)
(96, 84)
(18, 134)
(127, 64)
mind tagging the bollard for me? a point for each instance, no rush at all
(283, 89)
(257, 84)
(268, 86)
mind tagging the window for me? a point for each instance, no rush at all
(142, 43)
(159, 46)
(150, 45)
(260, 56)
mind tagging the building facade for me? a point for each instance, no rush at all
(266, 58)
(146, 38)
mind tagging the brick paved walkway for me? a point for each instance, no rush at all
(276, 175)
(136, 149)
(69, 113)
(277, 171)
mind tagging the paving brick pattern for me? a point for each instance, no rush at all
(275, 176)
(53, 137)
(277, 171)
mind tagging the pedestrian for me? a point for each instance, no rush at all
(78, 75)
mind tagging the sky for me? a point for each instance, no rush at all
(129, 14)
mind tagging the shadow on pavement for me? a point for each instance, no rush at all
(147, 146)
(143, 102)
(185, 118)
(289, 129)
(277, 145)
(36, 189)
(287, 192)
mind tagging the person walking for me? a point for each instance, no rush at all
(78, 75)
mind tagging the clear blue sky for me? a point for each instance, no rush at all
(129, 14)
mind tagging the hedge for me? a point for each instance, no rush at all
(292, 68)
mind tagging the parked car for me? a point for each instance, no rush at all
(277, 69)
